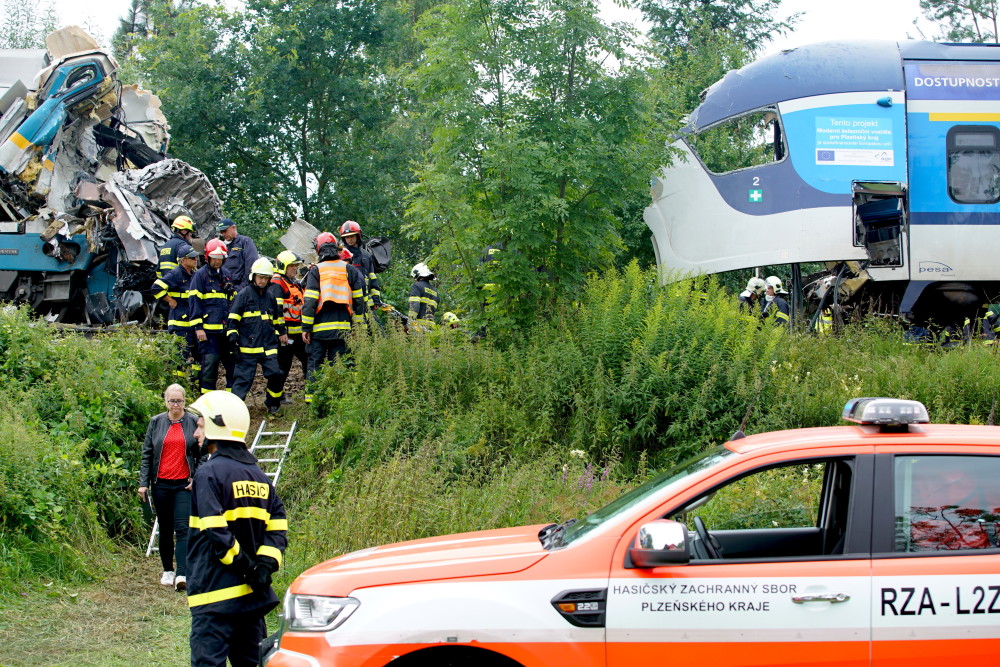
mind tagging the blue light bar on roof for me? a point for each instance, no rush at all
(885, 411)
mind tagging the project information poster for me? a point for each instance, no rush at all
(854, 141)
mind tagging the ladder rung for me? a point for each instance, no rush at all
(268, 460)
(269, 447)
(275, 433)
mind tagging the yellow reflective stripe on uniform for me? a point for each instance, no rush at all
(249, 512)
(230, 556)
(357, 293)
(330, 326)
(277, 524)
(235, 316)
(781, 316)
(166, 266)
(274, 553)
(209, 295)
(415, 299)
(275, 394)
(307, 319)
(312, 293)
(213, 327)
(206, 522)
(219, 595)
(294, 329)
(179, 323)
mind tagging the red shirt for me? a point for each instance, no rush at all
(173, 457)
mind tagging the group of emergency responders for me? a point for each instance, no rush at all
(240, 311)
(774, 310)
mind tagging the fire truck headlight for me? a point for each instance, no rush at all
(317, 613)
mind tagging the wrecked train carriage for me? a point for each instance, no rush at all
(86, 189)
(880, 158)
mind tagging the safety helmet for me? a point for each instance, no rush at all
(225, 414)
(775, 282)
(285, 259)
(421, 270)
(323, 239)
(216, 248)
(262, 267)
(183, 222)
(756, 285)
(350, 227)
(450, 318)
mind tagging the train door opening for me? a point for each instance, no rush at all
(880, 222)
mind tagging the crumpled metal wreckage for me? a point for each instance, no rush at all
(87, 189)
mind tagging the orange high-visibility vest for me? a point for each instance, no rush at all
(293, 302)
(333, 285)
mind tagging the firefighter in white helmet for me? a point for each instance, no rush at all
(423, 300)
(237, 538)
(255, 331)
(776, 309)
(749, 299)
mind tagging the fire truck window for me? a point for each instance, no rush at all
(946, 503)
(974, 164)
(750, 140)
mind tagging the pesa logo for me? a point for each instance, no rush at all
(934, 267)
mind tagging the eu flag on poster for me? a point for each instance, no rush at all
(824, 156)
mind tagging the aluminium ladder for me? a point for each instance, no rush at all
(271, 465)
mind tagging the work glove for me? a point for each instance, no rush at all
(259, 575)
(242, 564)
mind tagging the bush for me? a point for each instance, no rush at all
(72, 417)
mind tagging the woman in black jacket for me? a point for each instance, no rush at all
(169, 459)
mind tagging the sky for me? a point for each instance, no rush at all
(822, 20)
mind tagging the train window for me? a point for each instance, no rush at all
(750, 140)
(974, 164)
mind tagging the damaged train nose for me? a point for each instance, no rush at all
(87, 190)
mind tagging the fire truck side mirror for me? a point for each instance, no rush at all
(660, 542)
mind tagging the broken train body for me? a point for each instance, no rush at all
(881, 159)
(87, 190)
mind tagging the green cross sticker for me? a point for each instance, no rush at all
(756, 195)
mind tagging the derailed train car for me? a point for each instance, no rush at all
(881, 159)
(87, 190)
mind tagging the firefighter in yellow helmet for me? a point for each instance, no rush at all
(255, 330)
(286, 288)
(236, 540)
(183, 227)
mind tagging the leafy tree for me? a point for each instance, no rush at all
(680, 23)
(292, 108)
(25, 23)
(535, 145)
(963, 20)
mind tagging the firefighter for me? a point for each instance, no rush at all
(174, 289)
(286, 287)
(451, 320)
(334, 298)
(242, 254)
(208, 310)
(183, 227)
(350, 235)
(749, 299)
(775, 307)
(255, 332)
(423, 300)
(236, 541)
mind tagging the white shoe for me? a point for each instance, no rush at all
(180, 583)
(167, 579)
